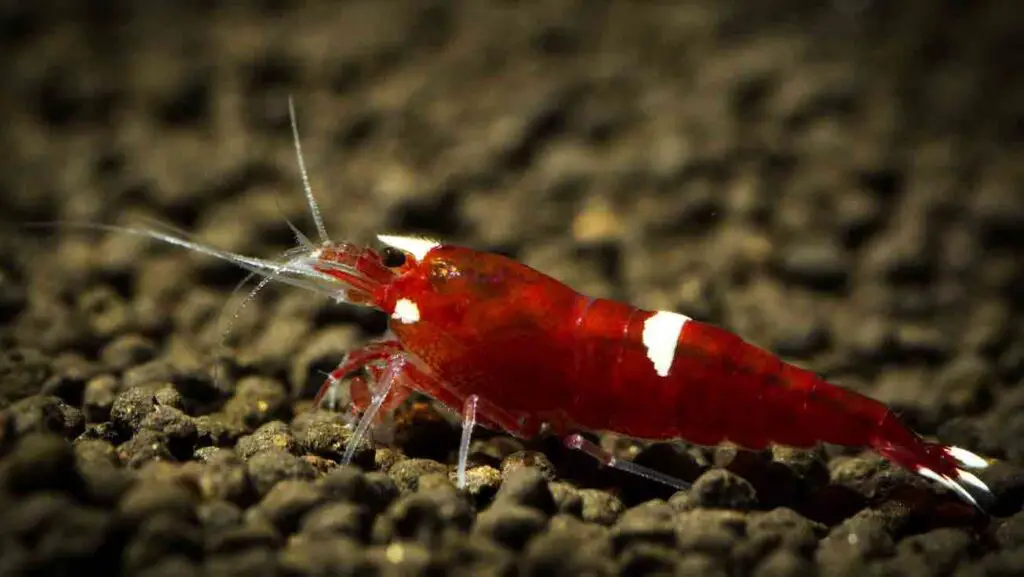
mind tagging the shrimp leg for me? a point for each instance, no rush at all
(392, 371)
(372, 352)
(577, 442)
(468, 421)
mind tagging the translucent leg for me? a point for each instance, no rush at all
(396, 363)
(576, 441)
(376, 351)
(468, 422)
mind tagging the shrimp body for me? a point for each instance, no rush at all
(520, 352)
(532, 352)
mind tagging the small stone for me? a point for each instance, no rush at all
(528, 459)
(406, 474)
(127, 351)
(600, 507)
(98, 397)
(272, 436)
(41, 462)
(719, 488)
(567, 499)
(157, 499)
(257, 401)
(652, 522)
(145, 447)
(510, 525)
(815, 263)
(288, 501)
(41, 414)
(269, 467)
(131, 406)
(526, 486)
(350, 520)
(225, 477)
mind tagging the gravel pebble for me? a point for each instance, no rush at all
(509, 525)
(526, 486)
(267, 468)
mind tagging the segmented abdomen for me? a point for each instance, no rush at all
(661, 375)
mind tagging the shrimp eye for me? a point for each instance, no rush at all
(392, 257)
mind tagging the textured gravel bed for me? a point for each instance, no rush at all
(838, 182)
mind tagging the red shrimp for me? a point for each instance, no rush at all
(518, 351)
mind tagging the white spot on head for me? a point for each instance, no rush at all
(418, 247)
(661, 335)
(406, 312)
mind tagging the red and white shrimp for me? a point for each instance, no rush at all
(518, 351)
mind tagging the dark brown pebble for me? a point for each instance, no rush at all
(526, 486)
(153, 373)
(269, 467)
(340, 519)
(44, 415)
(98, 397)
(600, 507)
(942, 550)
(257, 401)
(864, 536)
(70, 374)
(406, 474)
(22, 372)
(423, 517)
(567, 499)
(172, 566)
(225, 477)
(784, 563)
(29, 530)
(783, 528)
(146, 446)
(160, 537)
(1010, 532)
(374, 490)
(510, 525)
(172, 423)
(528, 459)
(817, 263)
(643, 558)
(336, 555)
(288, 501)
(244, 562)
(41, 462)
(723, 489)
(272, 436)
(254, 533)
(127, 351)
(215, 430)
(104, 312)
(156, 498)
(710, 531)
(568, 548)
(217, 515)
(131, 406)
(652, 522)
(482, 484)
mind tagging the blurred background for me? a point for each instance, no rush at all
(838, 181)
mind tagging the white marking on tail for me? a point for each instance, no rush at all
(966, 458)
(418, 247)
(661, 335)
(406, 312)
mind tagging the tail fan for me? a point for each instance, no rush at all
(956, 477)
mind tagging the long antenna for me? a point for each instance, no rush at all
(314, 209)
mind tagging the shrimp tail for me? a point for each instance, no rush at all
(947, 465)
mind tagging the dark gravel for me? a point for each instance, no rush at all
(837, 181)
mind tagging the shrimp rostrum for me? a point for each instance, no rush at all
(517, 351)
